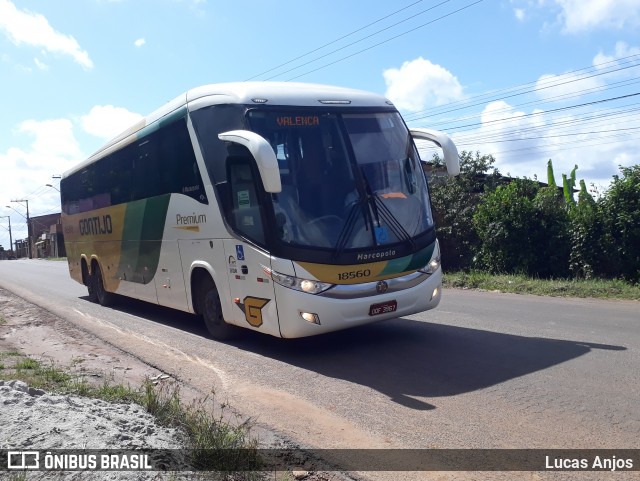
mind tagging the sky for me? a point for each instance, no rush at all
(523, 80)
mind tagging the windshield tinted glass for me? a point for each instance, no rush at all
(348, 180)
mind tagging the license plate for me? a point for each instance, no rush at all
(383, 308)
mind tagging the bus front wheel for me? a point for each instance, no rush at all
(211, 312)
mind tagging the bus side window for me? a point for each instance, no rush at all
(246, 212)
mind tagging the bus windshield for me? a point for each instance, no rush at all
(349, 180)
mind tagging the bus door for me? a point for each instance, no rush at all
(251, 290)
(169, 277)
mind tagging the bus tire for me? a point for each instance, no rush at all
(91, 287)
(211, 311)
(105, 298)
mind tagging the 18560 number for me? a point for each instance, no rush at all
(345, 276)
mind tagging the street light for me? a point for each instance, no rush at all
(52, 186)
(19, 201)
(10, 237)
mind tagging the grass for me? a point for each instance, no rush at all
(204, 425)
(519, 284)
(17, 477)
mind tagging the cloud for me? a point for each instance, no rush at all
(522, 142)
(420, 83)
(584, 15)
(51, 149)
(53, 138)
(24, 27)
(107, 121)
(41, 65)
(579, 16)
(621, 50)
(572, 85)
(140, 42)
(567, 86)
(501, 121)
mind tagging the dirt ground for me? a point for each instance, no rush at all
(36, 333)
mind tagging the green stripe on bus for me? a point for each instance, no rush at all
(144, 223)
(166, 120)
(409, 263)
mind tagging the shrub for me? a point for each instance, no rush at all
(523, 229)
(455, 201)
(621, 215)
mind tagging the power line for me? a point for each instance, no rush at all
(387, 40)
(577, 93)
(358, 41)
(571, 134)
(519, 89)
(540, 112)
(594, 120)
(336, 40)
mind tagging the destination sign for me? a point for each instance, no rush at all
(298, 120)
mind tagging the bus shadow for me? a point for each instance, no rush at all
(407, 359)
(401, 358)
(162, 315)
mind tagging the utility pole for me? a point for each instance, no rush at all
(28, 226)
(10, 238)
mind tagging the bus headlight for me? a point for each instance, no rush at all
(292, 282)
(434, 263)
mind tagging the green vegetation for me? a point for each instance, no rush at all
(18, 477)
(489, 223)
(520, 284)
(27, 364)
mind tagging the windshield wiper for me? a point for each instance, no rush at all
(381, 211)
(371, 205)
(393, 223)
(347, 229)
(364, 191)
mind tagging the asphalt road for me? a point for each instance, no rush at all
(483, 370)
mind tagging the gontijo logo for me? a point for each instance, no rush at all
(96, 225)
(252, 308)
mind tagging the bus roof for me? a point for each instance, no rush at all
(256, 93)
(282, 93)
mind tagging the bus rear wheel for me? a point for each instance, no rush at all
(91, 287)
(105, 298)
(211, 311)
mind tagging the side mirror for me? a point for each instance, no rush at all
(262, 152)
(451, 157)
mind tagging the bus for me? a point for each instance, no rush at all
(285, 208)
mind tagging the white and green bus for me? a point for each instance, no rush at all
(289, 209)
